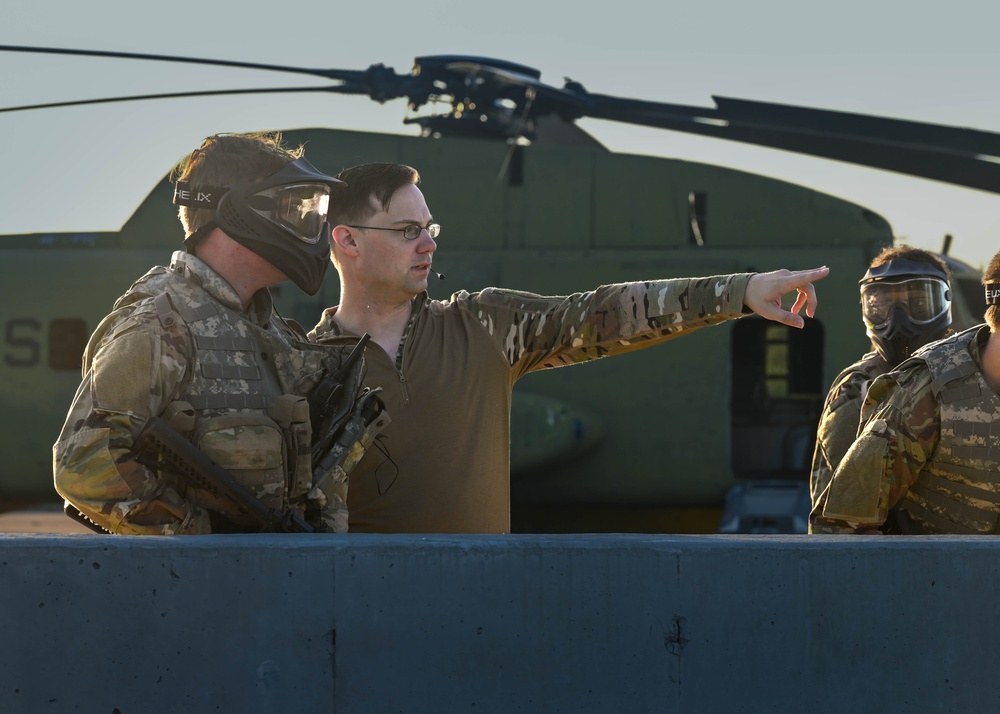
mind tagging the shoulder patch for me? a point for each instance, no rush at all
(122, 374)
(857, 485)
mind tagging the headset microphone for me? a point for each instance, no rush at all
(440, 275)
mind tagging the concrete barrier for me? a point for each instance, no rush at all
(519, 623)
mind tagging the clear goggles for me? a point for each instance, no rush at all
(923, 299)
(300, 208)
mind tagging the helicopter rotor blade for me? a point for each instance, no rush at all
(168, 95)
(379, 82)
(900, 132)
(949, 154)
(327, 73)
(805, 121)
(942, 153)
(493, 97)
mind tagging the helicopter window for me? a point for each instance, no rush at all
(67, 340)
(697, 218)
(777, 394)
(776, 361)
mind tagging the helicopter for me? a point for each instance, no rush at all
(653, 440)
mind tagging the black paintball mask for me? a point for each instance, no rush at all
(281, 218)
(905, 304)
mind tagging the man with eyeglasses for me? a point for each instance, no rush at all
(905, 303)
(926, 460)
(199, 346)
(446, 368)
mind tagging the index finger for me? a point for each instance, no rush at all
(798, 278)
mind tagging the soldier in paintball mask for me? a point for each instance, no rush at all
(925, 460)
(201, 410)
(905, 303)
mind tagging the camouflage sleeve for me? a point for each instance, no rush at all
(134, 373)
(537, 332)
(900, 427)
(838, 427)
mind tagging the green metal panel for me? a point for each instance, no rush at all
(558, 199)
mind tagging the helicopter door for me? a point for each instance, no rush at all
(776, 403)
(777, 378)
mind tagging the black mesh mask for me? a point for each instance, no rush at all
(281, 218)
(905, 305)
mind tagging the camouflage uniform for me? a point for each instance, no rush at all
(838, 425)
(926, 452)
(179, 342)
(445, 462)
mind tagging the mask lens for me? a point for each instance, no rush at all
(301, 208)
(876, 303)
(923, 299)
(928, 299)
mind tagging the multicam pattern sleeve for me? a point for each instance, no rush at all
(900, 433)
(840, 419)
(134, 370)
(838, 426)
(537, 332)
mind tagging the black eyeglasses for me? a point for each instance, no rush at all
(411, 232)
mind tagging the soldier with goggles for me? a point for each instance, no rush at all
(905, 303)
(925, 460)
(281, 218)
(198, 347)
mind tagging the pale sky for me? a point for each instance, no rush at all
(87, 168)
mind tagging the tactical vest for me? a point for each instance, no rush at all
(243, 402)
(958, 490)
(867, 368)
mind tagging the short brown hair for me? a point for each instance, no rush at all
(370, 188)
(226, 159)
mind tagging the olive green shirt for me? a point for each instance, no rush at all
(443, 463)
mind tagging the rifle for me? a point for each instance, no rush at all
(77, 515)
(329, 405)
(159, 445)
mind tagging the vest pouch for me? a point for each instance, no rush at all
(291, 412)
(251, 448)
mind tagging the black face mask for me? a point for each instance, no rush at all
(281, 218)
(905, 305)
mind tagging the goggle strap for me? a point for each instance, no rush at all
(992, 293)
(204, 197)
